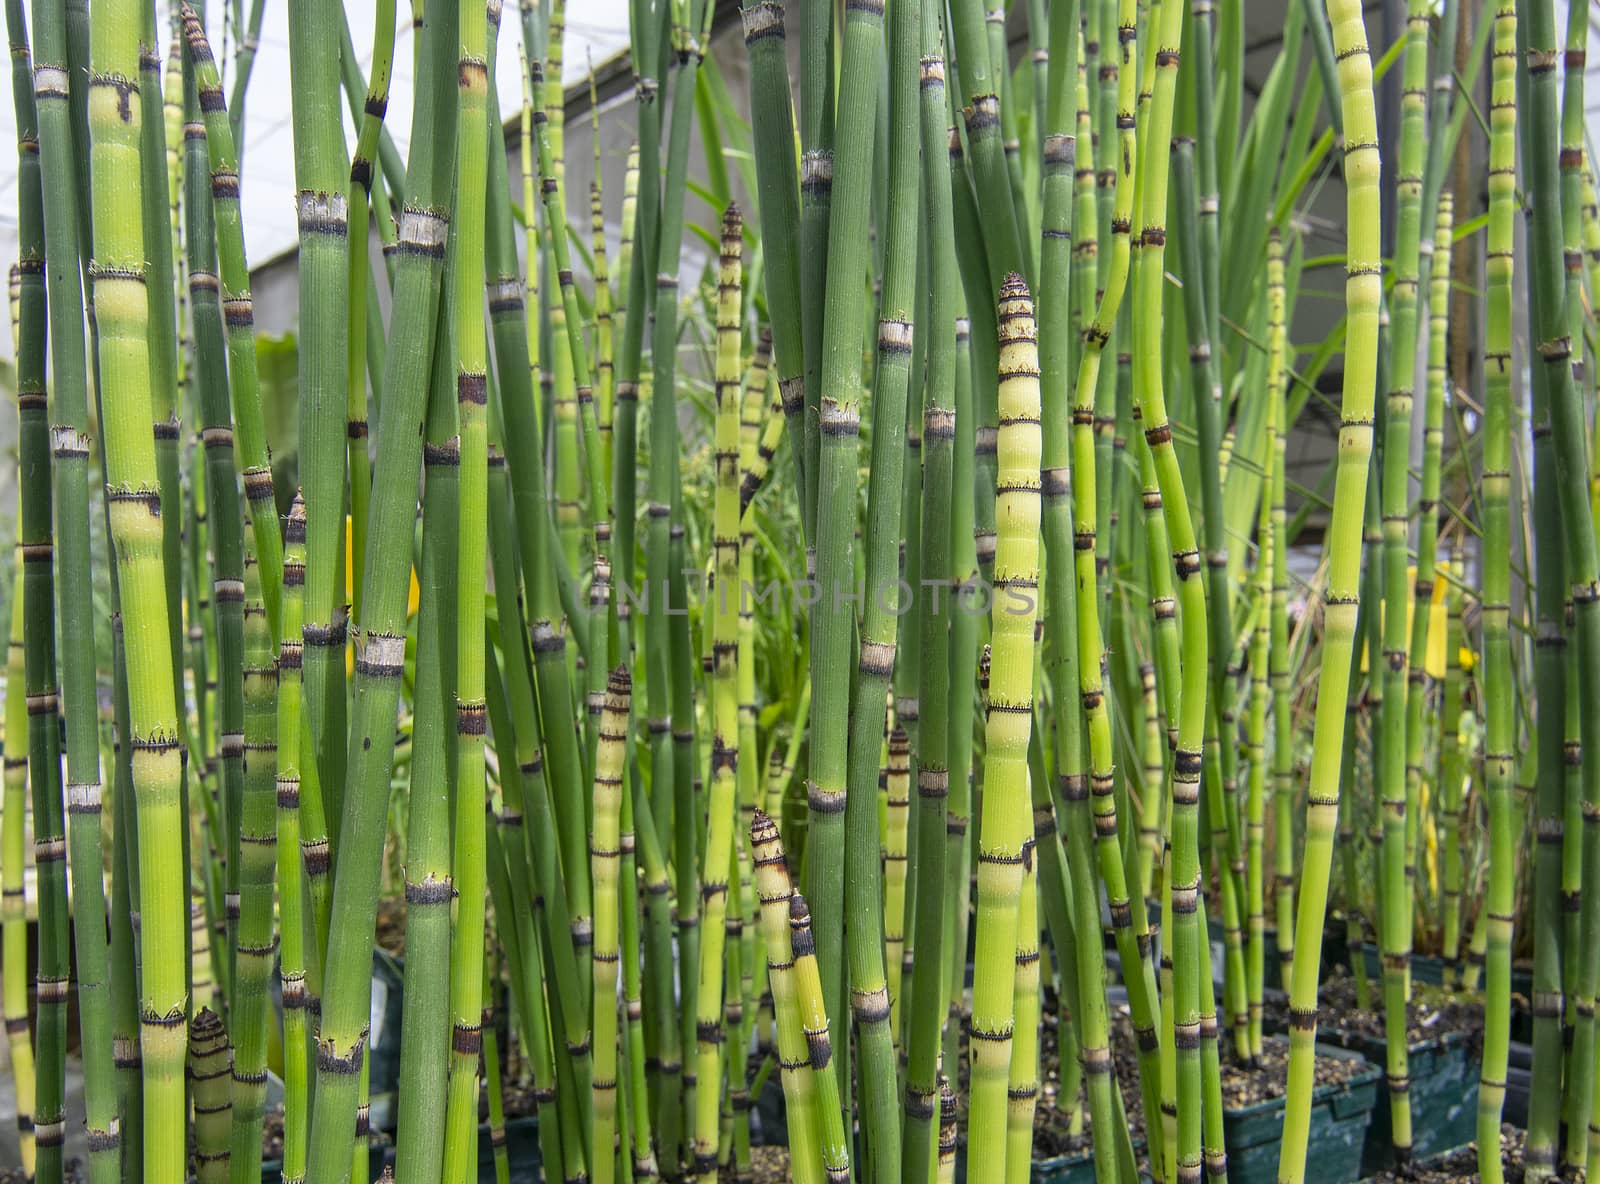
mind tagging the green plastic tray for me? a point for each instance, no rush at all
(1444, 1100)
(1339, 1118)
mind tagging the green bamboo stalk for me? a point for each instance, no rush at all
(831, 1136)
(125, 1053)
(833, 622)
(759, 387)
(225, 514)
(965, 609)
(721, 806)
(322, 215)
(158, 206)
(1363, 291)
(1451, 773)
(134, 512)
(1221, 767)
(238, 315)
(1280, 676)
(604, 345)
(471, 365)
(359, 204)
(1023, 1084)
(210, 1064)
(772, 134)
(605, 850)
(896, 840)
(1438, 253)
(58, 218)
(635, 1059)
(1261, 641)
(669, 638)
(505, 845)
(1068, 101)
(13, 918)
(291, 900)
(547, 138)
(980, 87)
(1499, 720)
(1572, 172)
(429, 888)
(924, 992)
(1591, 246)
(1397, 809)
(819, 67)
(1555, 961)
(37, 590)
(870, 998)
(1187, 923)
(257, 944)
(491, 1069)
(1133, 948)
(1005, 826)
(547, 726)
(661, 1034)
(530, 210)
(805, 1163)
(379, 665)
(1349, 836)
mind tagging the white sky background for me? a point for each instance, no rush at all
(597, 28)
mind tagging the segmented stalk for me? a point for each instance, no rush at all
(799, 1088)
(1398, 811)
(830, 1132)
(257, 944)
(605, 852)
(833, 622)
(1261, 638)
(898, 785)
(291, 902)
(46, 134)
(1495, 482)
(924, 992)
(322, 217)
(1022, 1092)
(13, 916)
(210, 1064)
(1006, 822)
(380, 653)
(359, 191)
(721, 807)
(135, 517)
(772, 127)
(882, 532)
(1363, 292)
(225, 514)
(471, 715)
(1438, 308)
(238, 314)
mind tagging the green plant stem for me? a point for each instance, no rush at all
(924, 990)
(379, 661)
(291, 901)
(1363, 292)
(57, 218)
(134, 512)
